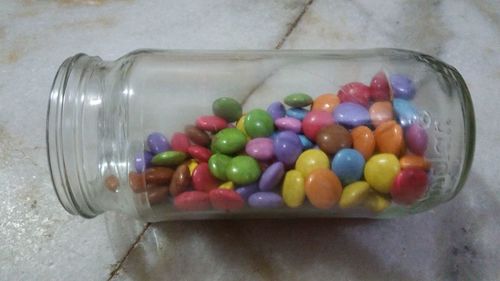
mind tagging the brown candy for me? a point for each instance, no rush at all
(111, 183)
(332, 138)
(181, 180)
(137, 182)
(158, 175)
(157, 194)
(197, 135)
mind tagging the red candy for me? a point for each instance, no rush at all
(355, 92)
(379, 87)
(203, 179)
(200, 153)
(409, 185)
(211, 123)
(192, 201)
(180, 142)
(314, 121)
(226, 199)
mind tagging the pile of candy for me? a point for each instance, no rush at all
(361, 147)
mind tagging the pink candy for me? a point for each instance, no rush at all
(260, 148)
(355, 92)
(288, 124)
(314, 121)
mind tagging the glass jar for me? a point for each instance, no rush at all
(389, 132)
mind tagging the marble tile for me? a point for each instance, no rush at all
(40, 240)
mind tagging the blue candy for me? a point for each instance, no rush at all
(406, 112)
(306, 143)
(297, 113)
(348, 165)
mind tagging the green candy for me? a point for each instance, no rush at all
(218, 164)
(258, 123)
(298, 100)
(169, 158)
(227, 108)
(229, 141)
(243, 170)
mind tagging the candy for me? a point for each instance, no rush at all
(406, 112)
(181, 179)
(389, 138)
(192, 164)
(157, 143)
(225, 199)
(351, 114)
(229, 141)
(354, 194)
(293, 189)
(298, 100)
(260, 148)
(199, 153)
(323, 188)
(112, 182)
(297, 113)
(402, 87)
(355, 92)
(240, 125)
(180, 142)
(380, 112)
(211, 123)
(247, 190)
(315, 121)
(276, 110)
(416, 139)
(414, 161)
(288, 124)
(197, 136)
(137, 182)
(243, 170)
(218, 164)
(380, 171)
(169, 158)
(409, 186)
(158, 175)
(227, 185)
(325, 102)
(227, 108)
(332, 138)
(203, 179)
(157, 194)
(287, 147)
(363, 141)
(258, 123)
(310, 160)
(376, 202)
(263, 200)
(271, 176)
(348, 165)
(379, 87)
(192, 201)
(142, 160)
(306, 143)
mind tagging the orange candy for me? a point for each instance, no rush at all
(323, 188)
(381, 112)
(414, 161)
(326, 102)
(389, 138)
(363, 141)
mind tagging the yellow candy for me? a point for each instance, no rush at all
(354, 194)
(311, 160)
(380, 171)
(227, 185)
(240, 125)
(376, 203)
(192, 164)
(293, 189)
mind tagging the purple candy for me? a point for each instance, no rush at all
(272, 176)
(288, 124)
(276, 110)
(287, 147)
(247, 190)
(265, 200)
(260, 148)
(351, 114)
(157, 143)
(142, 160)
(416, 139)
(402, 87)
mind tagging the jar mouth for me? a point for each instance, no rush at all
(68, 193)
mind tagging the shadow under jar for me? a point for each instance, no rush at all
(168, 135)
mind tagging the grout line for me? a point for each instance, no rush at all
(113, 273)
(293, 25)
